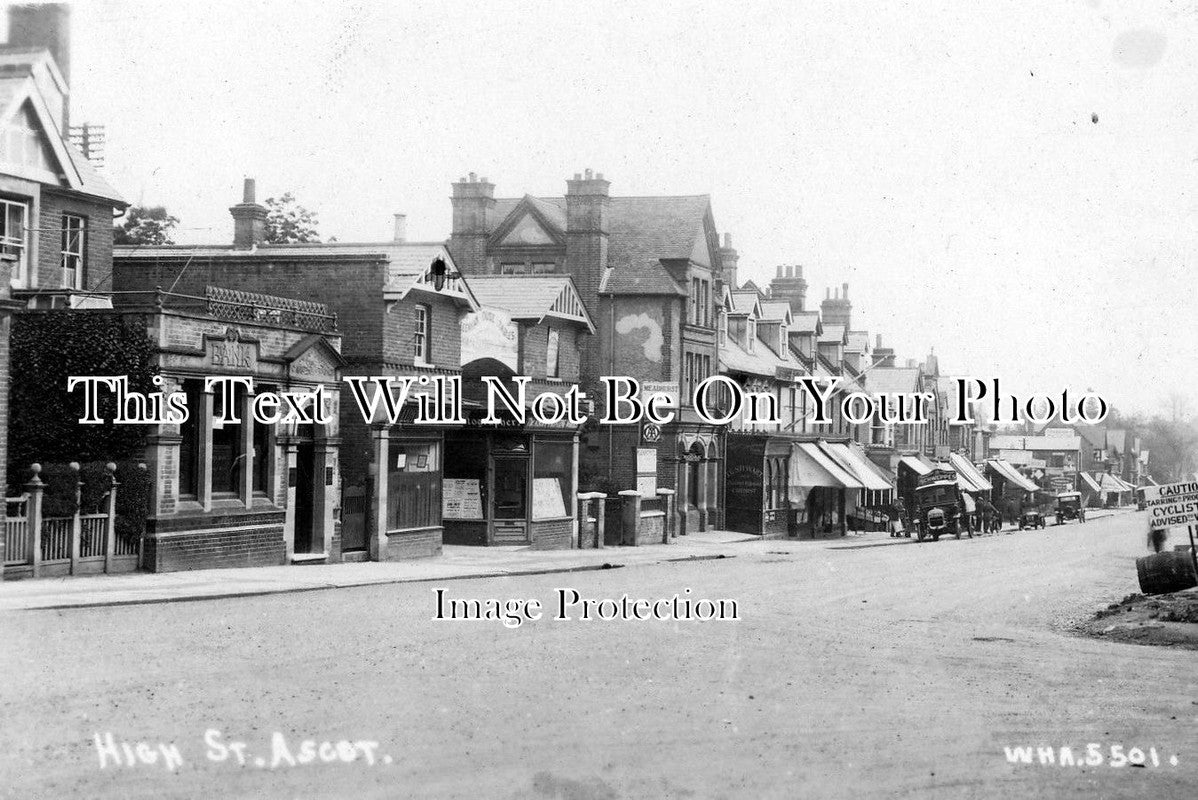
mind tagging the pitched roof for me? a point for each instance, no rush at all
(892, 379)
(20, 70)
(645, 230)
(805, 322)
(532, 296)
(858, 342)
(775, 311)
(735, 359)
(832, 333)
(743, 302)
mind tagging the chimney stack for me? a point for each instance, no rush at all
(401, 228)
(473, 203)
(728, 261)
(249, 219)
(45, 25)
(790, 286)
(836, 308)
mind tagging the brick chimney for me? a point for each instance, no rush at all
(728, 260)
(45, 25)
(401, 228)
(249, 219)
(883, 356)
(790, 286)
(837, 310)
(588, 217)
(473, 202)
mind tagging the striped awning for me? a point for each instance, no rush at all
(846, 460)
(1010, 474)
(846, 479)
(915, 465)
(1089, 482)
(969, 474)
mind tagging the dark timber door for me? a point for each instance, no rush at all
(305, 488)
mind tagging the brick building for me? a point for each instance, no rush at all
(647, 270)
(516, 481)
(396, 319)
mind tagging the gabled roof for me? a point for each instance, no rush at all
(549, 216)
(532, 297)
(775, 311)
(19, 90)
(833, 334)
(744, 303)
(806, 322)
(892, 379)
(858, 342)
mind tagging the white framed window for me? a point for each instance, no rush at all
(74, 251)
(722, 327)
(751, 330)
(14, 237)
(422, 316)
(551, 354)
(782, 340)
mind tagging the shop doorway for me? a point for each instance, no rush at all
(306, 487)
(509, 500)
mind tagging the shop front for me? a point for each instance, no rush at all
(757, 490)
(511, 486)
(818, 489)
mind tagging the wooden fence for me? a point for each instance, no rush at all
(82, 544)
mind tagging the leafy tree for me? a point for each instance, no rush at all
(150, 225)
(288, 222)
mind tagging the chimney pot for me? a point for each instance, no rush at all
(577, 176)
(473, 178)
(828, 296)
(599, 175)
(779, 271)
(846, 291)
(248, 191)
(401, 228)
(588, 173)
(484, 179)
(879, 340)
(727, 240)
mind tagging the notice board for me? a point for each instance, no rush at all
(461, 498)
(547, 500)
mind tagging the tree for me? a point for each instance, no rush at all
(150, 225)
(288, 222)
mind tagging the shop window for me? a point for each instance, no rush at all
(422, 317)
(14, 237)
(552, 479)
(551, 354)
(414, 485)
(74, 249)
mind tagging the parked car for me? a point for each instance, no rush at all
(1031, 518)
(1069, 507)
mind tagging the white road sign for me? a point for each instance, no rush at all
(1171, 505)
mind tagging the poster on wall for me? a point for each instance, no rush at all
(547, 499)
(461, 498)
(490, 333)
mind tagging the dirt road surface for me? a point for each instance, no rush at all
(892, 669)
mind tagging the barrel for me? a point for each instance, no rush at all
(1162, 573)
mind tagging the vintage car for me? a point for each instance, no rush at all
(937, 500)
(1031, 517)
(1069, 506)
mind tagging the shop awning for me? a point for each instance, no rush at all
(970, 474)
(845, 478)
(805, 470)
(883, 473)
(846, 460)
(1010, 474)
(915, 465)
(1089, 482)
(1111, 483)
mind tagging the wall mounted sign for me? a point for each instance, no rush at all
(651, 433)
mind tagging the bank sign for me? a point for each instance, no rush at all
(1171, 505)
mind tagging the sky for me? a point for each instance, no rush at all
(1009, 184)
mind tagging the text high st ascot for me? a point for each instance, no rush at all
(437, 400)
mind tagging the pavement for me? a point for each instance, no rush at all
(917, 670)
(455, 563)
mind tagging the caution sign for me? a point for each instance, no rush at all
(1171, 505)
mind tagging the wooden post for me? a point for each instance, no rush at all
(1193, 550)
(110, 531)
(600, 527)
(76, 523)
(631, 515)
(33, 518)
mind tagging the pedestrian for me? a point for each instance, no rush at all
(1156, 538)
